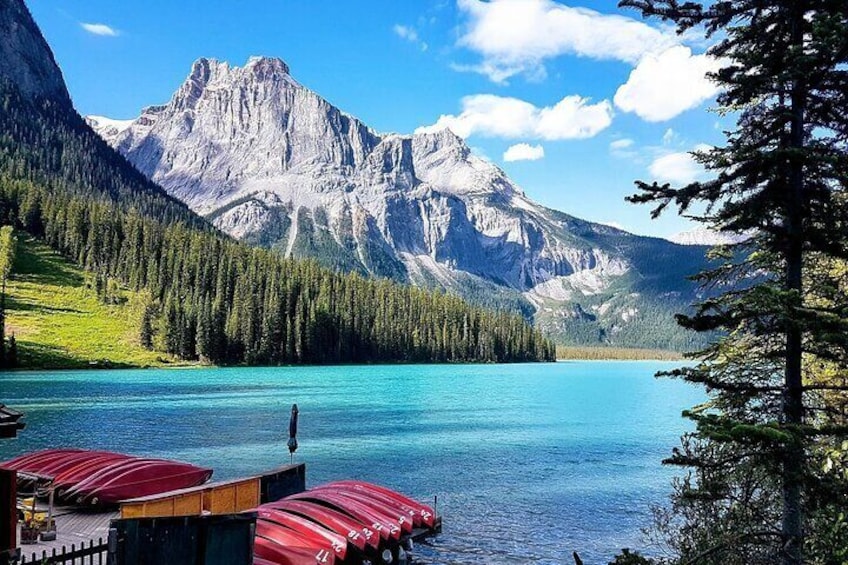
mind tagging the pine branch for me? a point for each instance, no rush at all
(732, 542)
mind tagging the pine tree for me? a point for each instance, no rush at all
(12, 353)
(8, 245)
(778, 180)
(145, 332)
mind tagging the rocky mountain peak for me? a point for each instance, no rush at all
(266, 73)
(273, 163)
(267, 66)
(25, 58)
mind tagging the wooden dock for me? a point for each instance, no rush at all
(73, 528)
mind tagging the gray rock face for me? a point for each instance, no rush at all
(271, 162)
(25, 58)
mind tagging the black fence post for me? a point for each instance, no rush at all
(112, 547)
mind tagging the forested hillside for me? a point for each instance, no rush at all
(62, 317)
(211, 297)
(292, 172)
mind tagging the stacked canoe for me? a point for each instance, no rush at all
(345, 522)
(102, 478)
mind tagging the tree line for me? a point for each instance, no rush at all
(213, 298)
(8, 247)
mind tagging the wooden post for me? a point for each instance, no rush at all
(8, 498)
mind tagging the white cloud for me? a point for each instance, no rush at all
(678, 168)
(410, 34)
(489, 115)
(480, 152)
(665, 85)
(100, 29)
(517, 36)
(524, 152)
(624, 148)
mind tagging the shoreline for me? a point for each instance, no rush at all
(563, 355)
(599, 353)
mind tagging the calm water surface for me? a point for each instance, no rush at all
(529, 462)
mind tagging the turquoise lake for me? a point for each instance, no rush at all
(529, 462)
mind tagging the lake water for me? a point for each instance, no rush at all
(529, 462)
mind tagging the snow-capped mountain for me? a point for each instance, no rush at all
(108, 128)
(271, 162)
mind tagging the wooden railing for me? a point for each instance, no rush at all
(228, 497)
(94, 553)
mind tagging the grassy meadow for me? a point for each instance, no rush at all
(59, 322)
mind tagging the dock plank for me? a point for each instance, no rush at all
(73, 527)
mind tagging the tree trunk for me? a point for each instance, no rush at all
(793, 402)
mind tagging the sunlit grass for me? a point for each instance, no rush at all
(59, 322)
(615, 353)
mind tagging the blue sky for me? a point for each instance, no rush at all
(606, 97)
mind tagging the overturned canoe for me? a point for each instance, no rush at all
(33, 462)
(388, 508)
(274, 520)
(376, 523)
(385, 525)
(103, 477)
(84, 469)
(288, 548)
(357, 533)
(144, 479)
(426, 514)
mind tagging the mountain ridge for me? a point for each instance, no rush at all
(207, 297)
(271, 162)
(25, 58)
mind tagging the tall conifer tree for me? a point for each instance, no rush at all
(779, 180)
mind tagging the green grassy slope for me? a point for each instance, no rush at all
(59, 322)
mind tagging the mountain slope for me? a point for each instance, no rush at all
(210, 298)
(25, 58)
(272, 163)
(59, 321)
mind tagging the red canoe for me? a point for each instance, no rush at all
(68, 460)
(397, 514)
(285, 547)
(426, 513)
(145, 480)
(270, 551)
(32, 462)
(105, 474)
(355, 531)
(307, 528)
(414, 513)
(411, 514)
(73, 475)
(383, 524)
